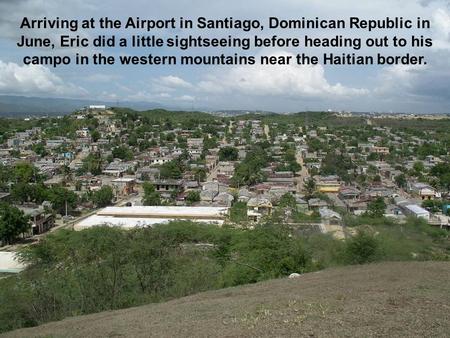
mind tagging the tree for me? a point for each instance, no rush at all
(93, 164)
(400, 180)
(151, 196)
(442, 172)
(95, 134)
(103, 197)
(249, 171)
(228, 154)
(376, 208)
(310, 187)
(13, 222)
(171, 169)
(67, 174)
(40, 149)
(62, 199)
(122, 153)
(288, 201)
(418, 168)
(193, 196)
(200, 174)
(24, 172)
(362, 248)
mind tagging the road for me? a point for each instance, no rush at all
(302, 174)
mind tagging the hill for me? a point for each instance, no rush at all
(11, 106)
(387, 299)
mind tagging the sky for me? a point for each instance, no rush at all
(292, 88)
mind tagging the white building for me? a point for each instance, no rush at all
(417, 211)
(98, 106)
(144, 216)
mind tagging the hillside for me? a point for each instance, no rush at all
(11, 105)
(389, 299)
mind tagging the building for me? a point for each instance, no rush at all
(416, 211)
(97, 106)
(329, 217)
(380, 150)
(40, 220)
(124, 186)
(328, 184)
(424, 191)
(9, 263)
(168, 185)
(147, 216)
(258, 207)
(195, 143)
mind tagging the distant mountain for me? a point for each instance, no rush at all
(25, 106)
(240, 112)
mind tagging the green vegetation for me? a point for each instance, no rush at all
(73, 273)
(151, 196)
(248, 171)
(376, 208)
(103, 197)
(228, 154)
(13, 222)
(238, 212)
(122, 153)
(192, 197)
(172, 169)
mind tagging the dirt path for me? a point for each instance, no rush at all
(302, 174)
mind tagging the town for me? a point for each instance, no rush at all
(310, 170)
(107, 208)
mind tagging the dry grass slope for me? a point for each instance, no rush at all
(382, 300)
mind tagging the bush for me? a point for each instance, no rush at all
(362, 248)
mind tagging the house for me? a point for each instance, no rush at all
(147, 173)
(328, 184)
(244, 195)
(40, 220)
(302, 205)
(258, 207)
(349, 193)
(53, 144)
(225, 168)
(329, 217)
(223, 199)
(124, 186)
(316, 203)
(168, 185)
(424, 191)
(117, 168)
(356, 207)
(195, 143)
(380, 150)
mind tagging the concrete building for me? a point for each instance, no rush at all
(416, 211)
(147, 216)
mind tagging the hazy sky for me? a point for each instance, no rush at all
(280, 88)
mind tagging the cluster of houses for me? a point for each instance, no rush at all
(211, 177)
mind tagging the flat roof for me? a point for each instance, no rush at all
(124, 180)
(416, 209)
(164, 212)
(9, 262)
(128, 222)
